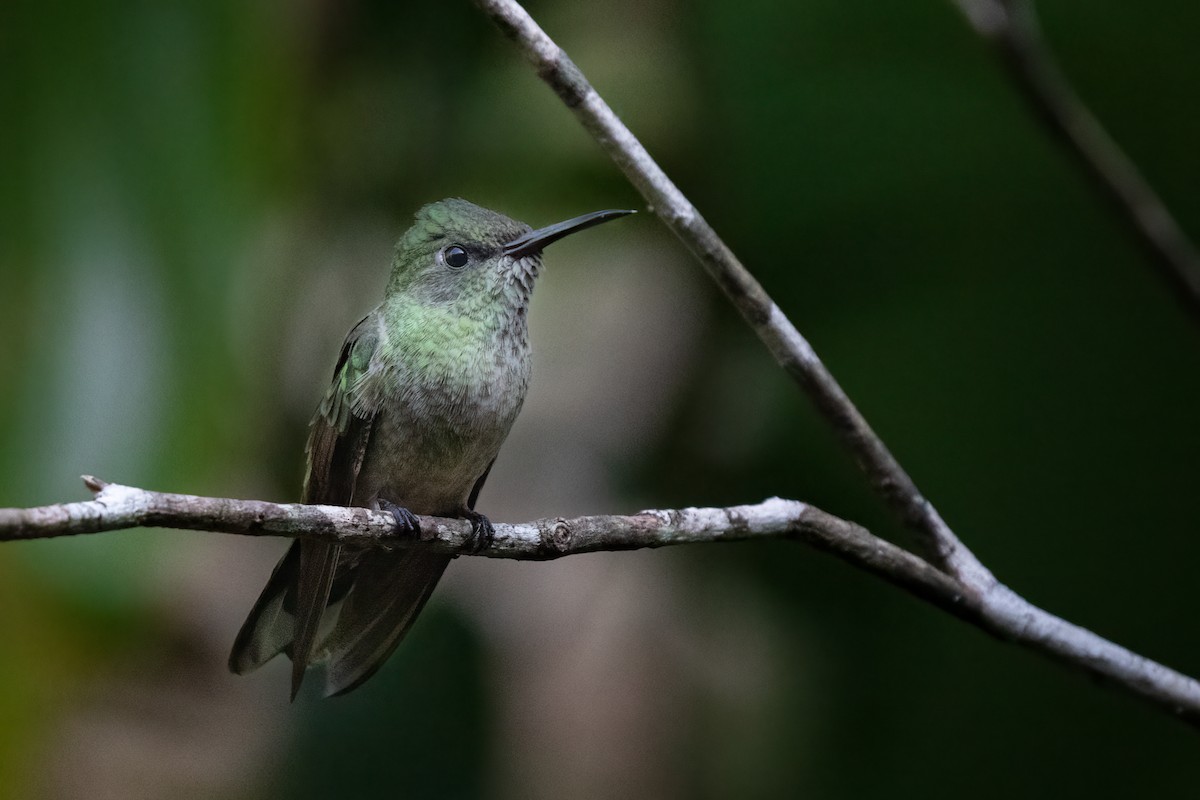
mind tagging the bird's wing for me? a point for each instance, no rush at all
(290, 608)
(340, 429)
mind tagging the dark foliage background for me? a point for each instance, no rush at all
(197, 198)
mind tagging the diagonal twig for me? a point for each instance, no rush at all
(790, 348)
(1012, 27)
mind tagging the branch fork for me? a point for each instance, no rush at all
(952, 578)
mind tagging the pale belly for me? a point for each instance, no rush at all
(426, 454)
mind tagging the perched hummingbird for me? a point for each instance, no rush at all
(425, 391)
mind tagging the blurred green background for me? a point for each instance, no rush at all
(198, 199)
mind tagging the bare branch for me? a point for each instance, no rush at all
(790, 349)
(118, 507)
(997, 610)
(1012, 27)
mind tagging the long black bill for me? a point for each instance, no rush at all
(535, 241)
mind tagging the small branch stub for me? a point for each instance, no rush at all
(94, 484)
(557, 538)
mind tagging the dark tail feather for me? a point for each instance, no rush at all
(390, 589)
(318, 564)
(269, 628)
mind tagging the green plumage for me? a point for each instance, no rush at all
(423, 395)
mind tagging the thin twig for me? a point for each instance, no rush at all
(997, 610)
(790, 349)
(1012, 27)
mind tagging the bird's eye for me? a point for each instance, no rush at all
(455, 257)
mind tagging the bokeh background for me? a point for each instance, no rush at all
(198, 199)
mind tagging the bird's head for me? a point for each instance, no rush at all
(457, 251)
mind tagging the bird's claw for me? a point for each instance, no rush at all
(406, 521)
(483, 533)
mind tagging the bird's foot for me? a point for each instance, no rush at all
(407, 523)
(483, 534)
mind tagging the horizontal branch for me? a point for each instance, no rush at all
(996, 609)
(118, 507)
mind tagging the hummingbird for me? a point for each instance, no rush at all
(425, 390)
